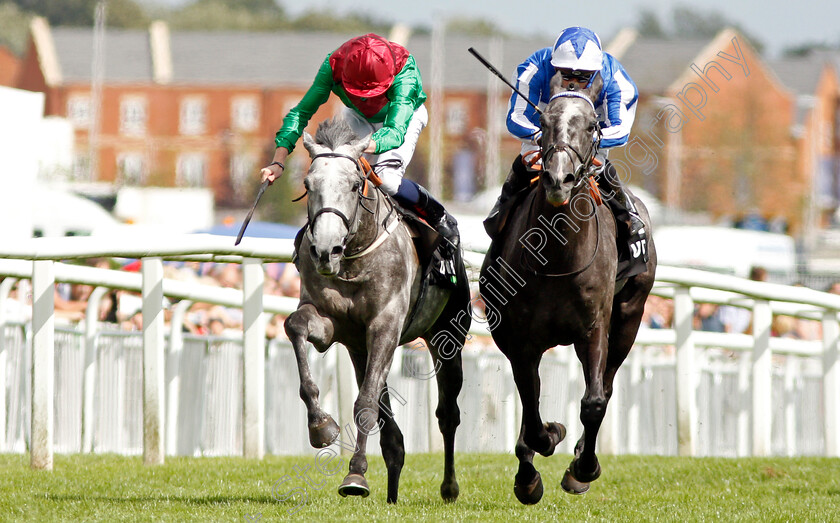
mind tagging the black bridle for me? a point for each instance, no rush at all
(350, 223)
(561, 146)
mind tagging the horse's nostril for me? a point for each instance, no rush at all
(337, 250)
(569, 178)
(314, 251)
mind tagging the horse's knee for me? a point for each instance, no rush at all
(448, 418)
(522, 451)
(592, 409)
(308, 390)
(366, 416)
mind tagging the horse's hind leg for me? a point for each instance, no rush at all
(392, 445)
(450, 377)
(302, 325)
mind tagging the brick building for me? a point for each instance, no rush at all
(200, 109)
(716, 128)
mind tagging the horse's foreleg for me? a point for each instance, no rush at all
(527, 485)
(302, 325)
(390, 439)
(381, 342)
(450, 376)
(593, 356)
(540, 437)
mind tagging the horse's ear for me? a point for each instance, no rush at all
(310, 145)
(357, 147)
(595, 89)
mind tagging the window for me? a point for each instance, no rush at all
(193, 116)
(456, 118)
(79, 110)
(130, 169)
(81, 168)
(190, 170)
(133, 116)
(242, 175)
(245, 113)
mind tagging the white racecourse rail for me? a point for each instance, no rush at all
(88, 388)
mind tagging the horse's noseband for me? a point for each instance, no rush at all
(351, 224)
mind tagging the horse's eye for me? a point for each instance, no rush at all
(306, 184)
(356, 186)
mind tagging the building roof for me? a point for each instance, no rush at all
(266, 59)
(127, 57)
(801, 75)
(655, 63)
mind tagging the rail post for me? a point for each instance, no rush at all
(43, 364)
(153, 361)
(686, 372)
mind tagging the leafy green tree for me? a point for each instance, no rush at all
(214, 15)
(14, 27)
(125, 14)
(326, 20)
(473, 27)
(648, 25)
(688, 22)
(119, 13)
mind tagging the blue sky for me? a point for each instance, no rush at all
(776, 23)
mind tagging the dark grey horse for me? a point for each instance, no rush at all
(360, 282)
(549, 279)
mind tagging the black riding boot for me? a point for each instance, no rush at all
(619, 195)
(415, 197)
(518, 178)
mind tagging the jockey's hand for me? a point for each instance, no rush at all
(371, 148)
(271, 172)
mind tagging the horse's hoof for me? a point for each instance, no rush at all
(354, 485)
(449, 491)
(584, 476)
(573, 486)
(323, 434)
(529, 494)
(556, 430)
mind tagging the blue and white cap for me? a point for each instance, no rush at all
(577, 48)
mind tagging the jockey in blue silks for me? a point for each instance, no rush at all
(578, 57)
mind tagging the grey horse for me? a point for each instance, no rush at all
(361, 287)
(549, 278)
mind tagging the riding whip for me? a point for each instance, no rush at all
(263, 187)
(495, 71)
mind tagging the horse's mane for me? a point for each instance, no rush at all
(334, 133)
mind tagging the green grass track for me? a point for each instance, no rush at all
(631, 488)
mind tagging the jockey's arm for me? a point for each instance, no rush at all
(405, 95)
(523, 121)
(620, 102)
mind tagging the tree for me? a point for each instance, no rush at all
(326, 20)
(119, 13)
(649, 26)
(214, 15)
(14, 27)
(473, 27)
(687, 22)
